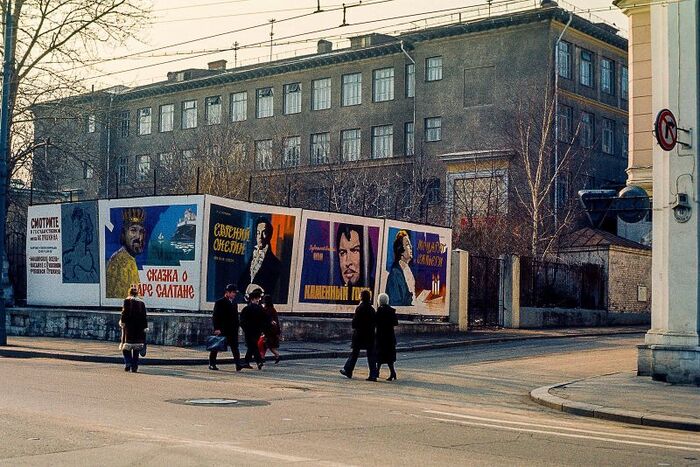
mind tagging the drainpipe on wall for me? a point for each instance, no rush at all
(556, 122)
(414, 95)
(109, 141)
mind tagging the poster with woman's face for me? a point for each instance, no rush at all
(338, 260)
(416, 268)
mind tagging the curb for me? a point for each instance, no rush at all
(543, 397)
(117, 359)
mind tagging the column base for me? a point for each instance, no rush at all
(672, 364)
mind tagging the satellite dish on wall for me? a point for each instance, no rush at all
(633, 204)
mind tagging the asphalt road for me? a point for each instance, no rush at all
(465, 406)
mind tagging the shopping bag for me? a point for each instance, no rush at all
(262, 345)
(216, 343)
(142, 350)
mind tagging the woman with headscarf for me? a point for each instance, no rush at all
(386, 338)
(134, 326)
(273, 331)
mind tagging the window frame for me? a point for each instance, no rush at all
(588, 130)
(433, 133)
(91, 123)
(313, 155)
(375, 139)
(624, 83)
(122, 169)
(266, 162)
(259, 100)
(590, 66)
(346, 98)
(437, 69)
(608, 132)
(410, 77)
(607, 76)
(234, 103)
(321, 95)
(354, 143)
(409, 144)
(125, 123)
(565, 54)
(161, 127)
(141, 174)
(388, 95)
(185, 114)
(296, 159)
(291, 98)
(208, 111)
(144, 116)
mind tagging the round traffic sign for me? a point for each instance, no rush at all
(666, 130)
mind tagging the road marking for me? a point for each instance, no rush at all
(559, 427)
(564, 435)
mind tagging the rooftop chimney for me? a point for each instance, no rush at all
(324, 46)
(219, 65)
(548, 3)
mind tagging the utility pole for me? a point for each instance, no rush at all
(4, 153)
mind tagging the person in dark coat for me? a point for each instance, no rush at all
(273, 331)
(363, 328)
(254, 323)
(134, 326)
(225, 322)
(386, 338)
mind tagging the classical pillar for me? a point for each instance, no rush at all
(639, 166)
(671, 352)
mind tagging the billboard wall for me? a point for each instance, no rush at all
(338, 260)
(154, 243)
(249, 243)
(63, 266)
(416, 268)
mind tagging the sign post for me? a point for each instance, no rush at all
(666, 130)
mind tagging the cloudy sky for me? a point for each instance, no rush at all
(191, 33)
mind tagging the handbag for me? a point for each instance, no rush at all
(142, 350)
(262, 345)
(216, 343)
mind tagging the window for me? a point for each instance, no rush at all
(91, 123)
(187, 158)
(320, 145)
(264, 104)
(383, 85)
(564, 60)
(239, 106)
(292, 98)
(409, 139)
(263, 154)
(124, 119)
(587, 129)
(143, 167)
(145, 121)
(565, 123)
(352, 89)
(292, 149)
(624, 83)
(212, 110)
(88, 171)
(122, 169)
(432, 191)
(167, 114)
(410, 80)
(625, 141)
(608, 136)
(433, 129)
(166, 160)
(433, 69)
(586, 76)
(607, 76)
(382, 141)
(189, 114)
(238, 153)
(351, 141)
(321, 94)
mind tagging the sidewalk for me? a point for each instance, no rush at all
(622, 397)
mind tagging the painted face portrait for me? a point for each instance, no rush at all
(133, 239)
(349, 253)
(407, 254)
(261, 235)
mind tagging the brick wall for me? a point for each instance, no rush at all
(628, 270)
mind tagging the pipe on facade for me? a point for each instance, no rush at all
(414, 96)
(556, 121)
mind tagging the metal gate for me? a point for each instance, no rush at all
(484, 291)
(16, 257)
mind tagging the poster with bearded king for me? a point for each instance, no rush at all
(338, 261)
(155, 244)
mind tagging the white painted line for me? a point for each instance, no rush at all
(559, 427)
(564, 435)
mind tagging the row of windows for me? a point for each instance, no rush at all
(585, 129)
(586, 70)
(382, 141)
(351, 94)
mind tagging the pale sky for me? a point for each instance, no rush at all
(177, 21)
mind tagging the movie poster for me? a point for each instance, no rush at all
(338, 261)
(249, 244)
(416, 268)
(63, 263)
(155, 244)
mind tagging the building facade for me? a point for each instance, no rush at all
(390, 126)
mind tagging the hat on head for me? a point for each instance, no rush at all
(231, 288)
(253, 291)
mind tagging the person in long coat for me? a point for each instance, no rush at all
(225, 322)
(253, 322)
(134, 326)
(386, 337)
(273, 331)
(363, 328)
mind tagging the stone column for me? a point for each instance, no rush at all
(671, 351)
(459, 289)
(510, 291)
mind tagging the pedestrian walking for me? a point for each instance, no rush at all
(363, 328)
(274, 329)
(225, 323)
(253, 322)
(386, 337)
(134, 326)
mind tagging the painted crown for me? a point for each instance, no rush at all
(134, 216)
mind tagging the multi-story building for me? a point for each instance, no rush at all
(391, 125)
